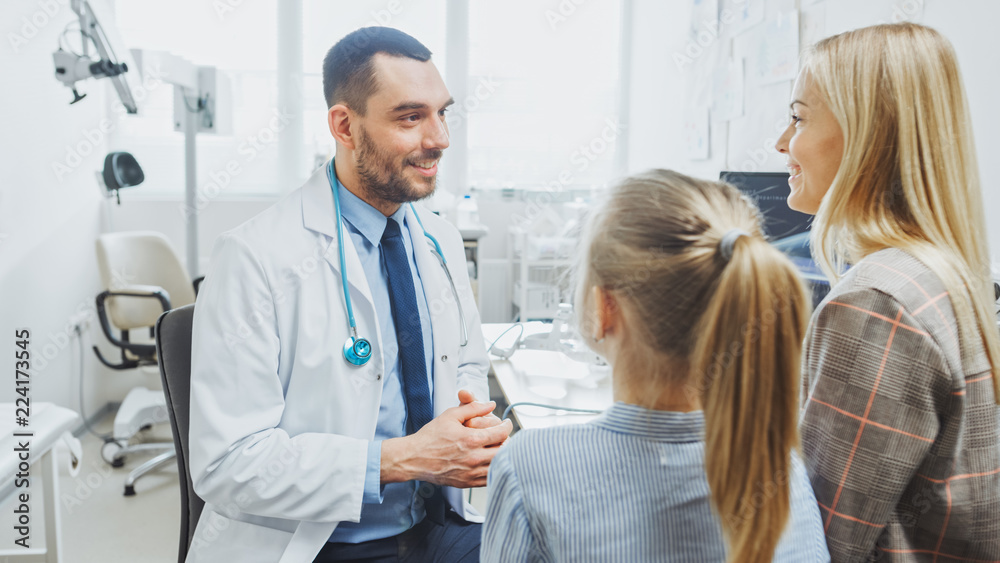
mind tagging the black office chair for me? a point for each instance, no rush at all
(173, 348)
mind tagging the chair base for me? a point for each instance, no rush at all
(141, 409)
(150, 465)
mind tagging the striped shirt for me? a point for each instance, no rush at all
(900, 431)
(629, 486)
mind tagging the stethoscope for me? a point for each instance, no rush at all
(357, 351)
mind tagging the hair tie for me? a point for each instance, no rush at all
(728, 240)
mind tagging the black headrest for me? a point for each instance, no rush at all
(121, 171)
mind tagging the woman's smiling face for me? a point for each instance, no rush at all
(813, 144)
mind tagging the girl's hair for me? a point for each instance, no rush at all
(735, 325)
(908, 178)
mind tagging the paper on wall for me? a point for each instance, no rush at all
(748, 13)
(753, 136)
(695, 132)
(727, 90)
(777, 56)
(812, 25)
(704, 16)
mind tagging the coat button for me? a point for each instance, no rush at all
(444, 358)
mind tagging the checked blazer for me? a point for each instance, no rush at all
(899, 425)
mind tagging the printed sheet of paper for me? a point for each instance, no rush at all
(777, 57)
(749, 13)
(695, 131)
(753, 136)
(727, 91)
(812, 25)
(704, 16)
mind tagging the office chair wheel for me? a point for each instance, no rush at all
(117, 460)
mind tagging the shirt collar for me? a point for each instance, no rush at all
(362, 216)
(662, 426)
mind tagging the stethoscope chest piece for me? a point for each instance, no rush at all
(357, 351)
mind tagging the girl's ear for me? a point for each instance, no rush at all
(607, 315)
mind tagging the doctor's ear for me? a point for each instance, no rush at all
(340, 118)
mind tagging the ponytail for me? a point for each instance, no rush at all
(732, 311)
(748, 355)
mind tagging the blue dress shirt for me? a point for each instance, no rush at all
(394, 508)
(627, 486)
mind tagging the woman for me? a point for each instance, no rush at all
(900, 421)
(702, 322)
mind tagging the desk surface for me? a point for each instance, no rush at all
(548, 378)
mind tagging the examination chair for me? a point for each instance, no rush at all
(173, 347)
(143, 278)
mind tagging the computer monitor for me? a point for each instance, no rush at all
(770, 191)
(787, 230)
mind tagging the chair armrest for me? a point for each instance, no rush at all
(146, 291)
(152, 291)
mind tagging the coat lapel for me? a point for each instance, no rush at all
(319, 215)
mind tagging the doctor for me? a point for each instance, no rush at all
(335, 365)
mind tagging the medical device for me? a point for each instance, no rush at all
(357, 351)
(73, 67)
(562, 338)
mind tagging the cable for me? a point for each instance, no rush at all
(516, 342)
(506, 412)
(106, 438)
(191, 109)
(63, 36)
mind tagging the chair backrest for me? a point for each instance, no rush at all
(141, 258)
(173, 347)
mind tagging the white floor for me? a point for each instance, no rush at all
(100, 524)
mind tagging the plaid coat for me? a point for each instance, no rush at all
(899, 425)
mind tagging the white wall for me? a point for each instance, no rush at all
(659, 88)
(166, 216)
(49, 218)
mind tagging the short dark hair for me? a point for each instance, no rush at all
(348, 69)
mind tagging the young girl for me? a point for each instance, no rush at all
(900, 428)
(702, 322)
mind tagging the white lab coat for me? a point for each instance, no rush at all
(280, 422)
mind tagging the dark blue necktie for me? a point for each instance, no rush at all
(410, 341)
(409, 335)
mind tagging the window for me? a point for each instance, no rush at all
(242, 43)
(546, 93)
(325, 22)
(543, 87)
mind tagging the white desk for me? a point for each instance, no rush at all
(548, 378)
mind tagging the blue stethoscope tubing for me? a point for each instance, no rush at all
(357, 351)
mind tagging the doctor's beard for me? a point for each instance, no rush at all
(382, 179)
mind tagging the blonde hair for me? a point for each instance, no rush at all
(735, 324)
(908, 178)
